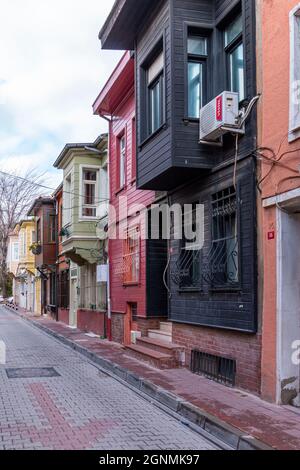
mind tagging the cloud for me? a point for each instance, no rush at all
(52, 69)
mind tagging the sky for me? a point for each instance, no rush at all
(51, 70)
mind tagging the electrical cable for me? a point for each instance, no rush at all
(47, 187)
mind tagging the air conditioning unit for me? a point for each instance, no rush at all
(220, 116)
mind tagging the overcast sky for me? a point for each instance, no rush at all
(51, 70)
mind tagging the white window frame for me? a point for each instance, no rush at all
(15, 248)
(294, 116)
(122, 160)
(103, 204)
(67, 199)
(24, 243)
(95, 206)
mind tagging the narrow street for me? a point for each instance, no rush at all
(78, 407)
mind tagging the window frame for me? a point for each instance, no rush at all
(184, 252)
(144, 134)
(96, 183)
(121, 162)
(133, 150)
(67, 200)
(294, 121)
(192, 30)
(15, 248)
(234, 286)
(232, 46)
(134, 255)
(158, 80)
(38, 230)
(52, 228)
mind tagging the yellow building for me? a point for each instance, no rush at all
(27, 285)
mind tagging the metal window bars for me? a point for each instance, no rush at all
(217, 368)
(216, 264)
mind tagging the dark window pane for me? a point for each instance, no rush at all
(90, 175)
(155, 106)
(197, 45)
(89, 194)
(233, 30)
(89, 212)
(237, 71)
(194, 89)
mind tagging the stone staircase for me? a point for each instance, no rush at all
(157, 348)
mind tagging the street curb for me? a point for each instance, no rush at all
(229, 435)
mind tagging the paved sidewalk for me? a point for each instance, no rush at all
(275, 426)
(53, 398)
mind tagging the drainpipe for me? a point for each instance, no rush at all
(109, 333)
(57, 286)
(108, 294)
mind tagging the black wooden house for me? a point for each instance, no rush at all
(187, 53)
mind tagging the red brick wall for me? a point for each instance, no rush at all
(91, 321)
(245, 349)
(63, 315)
(117, 327)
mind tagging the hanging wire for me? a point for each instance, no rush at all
(40, 185)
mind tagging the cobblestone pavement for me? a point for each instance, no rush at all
(78, 408)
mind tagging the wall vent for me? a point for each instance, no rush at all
(217, 368)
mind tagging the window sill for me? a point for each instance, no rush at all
(91, 310)
(154, 134)
(120, 190)
(188, 120)
(294, 135)
(191, 290)
(131, 284)
(133, 181)
(228, 290)
(87, 219)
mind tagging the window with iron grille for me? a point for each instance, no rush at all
(224, 253)
(52, 289)
(220, 369)
(131, 256)
(190, 252)
(64, 289)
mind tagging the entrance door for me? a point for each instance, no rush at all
(130, 322)
(73, 303)
(288, 307)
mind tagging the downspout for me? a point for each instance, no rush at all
(56, 264)
(108, 292)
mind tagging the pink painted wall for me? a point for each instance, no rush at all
(273, 79)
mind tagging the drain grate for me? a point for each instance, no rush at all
(31, 373)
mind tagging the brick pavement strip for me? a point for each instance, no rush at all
(232, 414)
(81, 408)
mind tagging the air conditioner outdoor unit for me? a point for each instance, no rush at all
(220, 116)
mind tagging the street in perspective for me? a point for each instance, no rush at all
(53, 398)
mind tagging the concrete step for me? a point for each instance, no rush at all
(160, 335)
(154, 358)
(166, 326)
(161, 346)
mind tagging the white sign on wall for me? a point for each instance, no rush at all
(102, 273)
